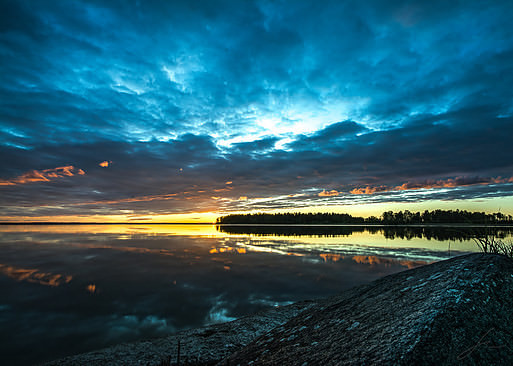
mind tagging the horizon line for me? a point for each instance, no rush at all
(102, 223)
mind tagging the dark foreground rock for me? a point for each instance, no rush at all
(458, 311)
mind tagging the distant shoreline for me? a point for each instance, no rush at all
(377, 225)
(389, 218)
(105, 223)
(252, 224)
(448, 225)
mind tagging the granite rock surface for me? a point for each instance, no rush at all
(458, 311)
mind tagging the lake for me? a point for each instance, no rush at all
(68, 289)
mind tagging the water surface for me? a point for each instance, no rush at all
(73, 288)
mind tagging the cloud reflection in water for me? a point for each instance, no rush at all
(128, 284)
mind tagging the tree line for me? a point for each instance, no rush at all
(387, 218)
(388, 231)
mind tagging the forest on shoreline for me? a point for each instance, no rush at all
(387, 218)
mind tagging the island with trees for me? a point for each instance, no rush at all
(406, 217)
(437, 224)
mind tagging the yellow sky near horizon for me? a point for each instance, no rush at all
(489, 205)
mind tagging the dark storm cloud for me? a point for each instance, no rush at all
(184, 96)
(191, 173)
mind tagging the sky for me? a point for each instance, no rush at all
(186, 110)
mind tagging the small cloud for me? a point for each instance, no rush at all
(243, 198)
(222, 189)
(91, 288)
(331, 193)
(105, 164)
(229, 182)
(370, 190)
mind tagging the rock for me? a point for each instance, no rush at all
(458, 311)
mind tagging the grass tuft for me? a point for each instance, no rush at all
(491, 245)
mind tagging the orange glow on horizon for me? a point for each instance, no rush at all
(489, 205)
(186, 218)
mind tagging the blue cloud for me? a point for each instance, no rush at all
(252, 92)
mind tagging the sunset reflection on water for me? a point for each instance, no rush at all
(74, 288)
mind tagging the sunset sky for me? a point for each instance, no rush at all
(185, 110)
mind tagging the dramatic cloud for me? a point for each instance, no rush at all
(221, 106)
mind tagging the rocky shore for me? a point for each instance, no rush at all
(458, 311)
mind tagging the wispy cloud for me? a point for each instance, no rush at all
(430, 184)
(43, 175)
(160, 197)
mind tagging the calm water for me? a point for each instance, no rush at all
(73, 288)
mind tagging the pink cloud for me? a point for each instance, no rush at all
(43, 175)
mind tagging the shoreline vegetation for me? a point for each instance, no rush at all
(406, 217)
